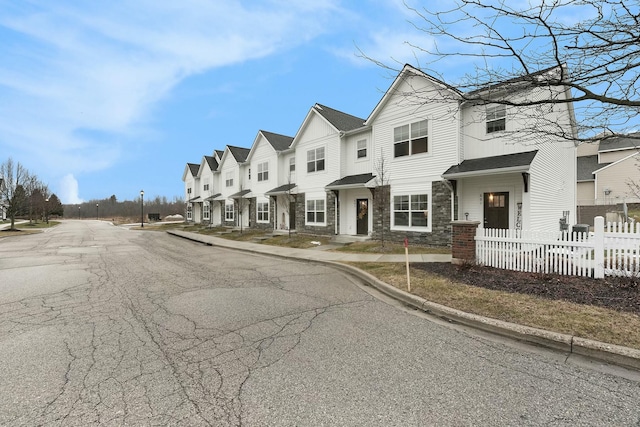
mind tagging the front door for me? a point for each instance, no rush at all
(496, 210)
(362, 222)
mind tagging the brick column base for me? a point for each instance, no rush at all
(463, 243)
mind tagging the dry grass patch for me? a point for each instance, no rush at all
(585, 321)
(298, 241)
(389, 248)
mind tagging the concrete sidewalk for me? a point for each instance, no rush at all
(568, 344)
(317, 254)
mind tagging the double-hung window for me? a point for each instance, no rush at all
(315, 160)
(496, 118)
(206, 187)
(206, 210)
(315, 211)
(228, 182)
(263, 171)
(263, 211)
(361, 149)
(411, 210)
(411, 139)
(189, 212)
(228, 212)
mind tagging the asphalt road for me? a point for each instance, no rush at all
(105, 325)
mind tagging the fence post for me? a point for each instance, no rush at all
(463, 241)
(598, 247)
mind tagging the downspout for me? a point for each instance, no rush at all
(336, 193)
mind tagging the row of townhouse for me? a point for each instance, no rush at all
(423, 158)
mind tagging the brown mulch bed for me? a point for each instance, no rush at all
(617, 293)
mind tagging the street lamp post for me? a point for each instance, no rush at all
(141, 208)
(97, 215)
(78, 212)
(46, 210)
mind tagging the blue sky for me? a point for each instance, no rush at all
(101, 98)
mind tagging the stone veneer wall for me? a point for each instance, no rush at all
(330, 212)
(440, 234)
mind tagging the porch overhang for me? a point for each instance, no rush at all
(365, 180)
(283, 189)
(196, 199)
(494, 165)
(240, 194)
(214, 197)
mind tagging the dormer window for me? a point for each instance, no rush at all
(496, 118)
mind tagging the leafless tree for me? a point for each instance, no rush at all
(381, 193)
(13, 178)
(590, 47)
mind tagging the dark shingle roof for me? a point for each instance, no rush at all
(281, 189)
(620, 143)
(492, 163)
(341, 121)
(219, 153)
(240, 154)
(277, 141)
(240, 194)
(213, 163)
(586, 166)
(352, 180)
(194, 168)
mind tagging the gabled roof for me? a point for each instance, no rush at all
(218, 153)
(587, 165)
(190, 169)
(351, 181)
(406, 71)
(238, 153)
(277, 141)
(194, 168)
(620, 143)
(508, 163)
(213, 163)
(339, 120)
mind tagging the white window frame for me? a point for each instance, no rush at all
(205, 187)
(206, 210)
(316, 157)
(228, 182)
(411, 134)
(412, 204)
(189, 212)
(229, 212)
(262, 211)
(263, 171)
(362, 149)
(312, 206)
(496, 118)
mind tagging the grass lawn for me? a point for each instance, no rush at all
(585, 321)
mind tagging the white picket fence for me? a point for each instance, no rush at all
(610, 250)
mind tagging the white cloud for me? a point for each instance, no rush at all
(68, 190)
(77, 79)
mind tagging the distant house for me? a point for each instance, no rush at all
(443, 159)
(605, 168)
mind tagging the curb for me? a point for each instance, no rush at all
(609, 353)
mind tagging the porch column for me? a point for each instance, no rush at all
(463, 243)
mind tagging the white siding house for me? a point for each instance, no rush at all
(424, 157)
(192, 191)
(266, 162)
